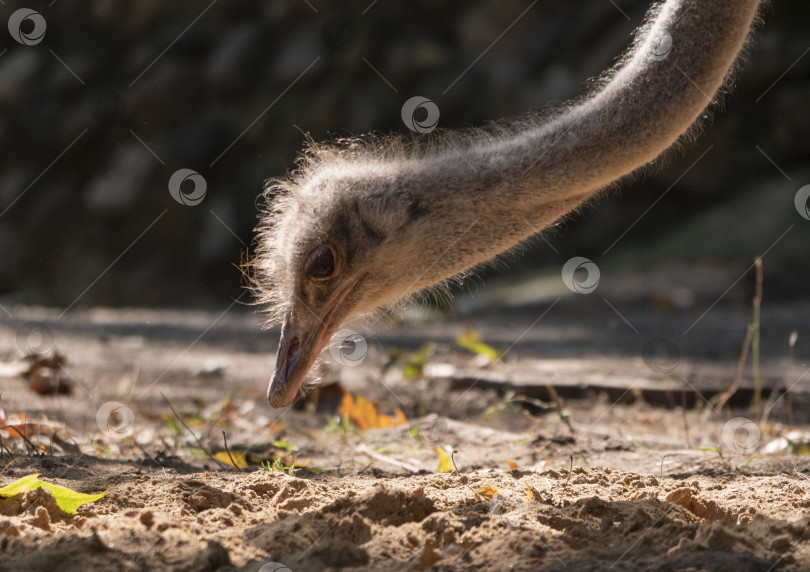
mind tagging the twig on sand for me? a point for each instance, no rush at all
(385, 459)
(478, 495)
(721, 399)
(228, 450)
(183, 423)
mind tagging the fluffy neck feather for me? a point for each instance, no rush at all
(482, 191)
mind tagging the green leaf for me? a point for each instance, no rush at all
(416, 362)
(176, 430)
(471, 340)
(741, 470)
(20, 486)
(66, 499)
(284, 445)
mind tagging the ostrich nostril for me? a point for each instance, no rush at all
(295, 344)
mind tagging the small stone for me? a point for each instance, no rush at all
(147, 518)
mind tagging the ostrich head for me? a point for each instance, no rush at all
(337, 239)
(367, 222)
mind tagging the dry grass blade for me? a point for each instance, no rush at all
(187, 428)
(228, 449)
(720, 400)
(385, 459)
(757, 401)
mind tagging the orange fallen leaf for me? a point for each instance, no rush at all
(487, 492)
(365, 415)
(19, 427)
(512, 465)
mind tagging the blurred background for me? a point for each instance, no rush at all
(97, 114)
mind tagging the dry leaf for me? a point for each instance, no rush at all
(239, 459)
(364, 414)
(45, 377)
(445, 462)
(535, 494)
(66, 446)
(18, 426)
(487, 492)
(512, 465)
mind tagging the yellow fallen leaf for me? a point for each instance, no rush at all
(512, 465)
(21, 485)
(239, 459)
(66, 499)
(487, 492)
(445, 462)
(530, 494)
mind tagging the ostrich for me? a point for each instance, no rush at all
(366, 222)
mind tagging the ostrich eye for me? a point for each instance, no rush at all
(321, 264)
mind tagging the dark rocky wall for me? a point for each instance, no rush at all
(118, 96)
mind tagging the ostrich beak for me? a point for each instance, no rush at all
(303, 335)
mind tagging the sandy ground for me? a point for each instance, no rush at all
(606, 478)
(585, 519)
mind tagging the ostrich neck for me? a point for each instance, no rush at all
(501, 189)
